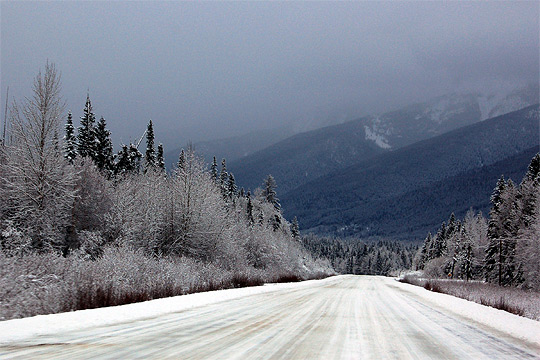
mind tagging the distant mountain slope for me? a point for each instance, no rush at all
(304, 157)
(232, 148)
(362, 198)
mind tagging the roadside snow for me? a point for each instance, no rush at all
(26, 328)
(513, 325)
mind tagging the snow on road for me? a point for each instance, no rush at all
(345, 317)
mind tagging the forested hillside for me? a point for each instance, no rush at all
(304, 157)
(502, 249)
(363, 198)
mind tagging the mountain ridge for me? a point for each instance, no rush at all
(393, 174)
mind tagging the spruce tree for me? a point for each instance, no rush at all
(160, 160)
(269, 192)
(213, 170)
(122, 160)
(499, 261)
(276, 222)
(104, 156)
(249, 209)
(128, 160)
(135, 158)
(295, 230)
(150, 155)
(182, 161)
(86, 137)
(423, 256)
(439, 243)
(232, 189)
(223, 178)
(529, 190)
(70, 141)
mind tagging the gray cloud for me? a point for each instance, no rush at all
(204, 70)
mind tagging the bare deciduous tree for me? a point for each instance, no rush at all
(38, 183)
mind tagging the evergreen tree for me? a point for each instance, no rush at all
(276, 222)
(104, 156)
(213, 170)
(499, 260)
(135, 158)
(128, 160)
(295, 230)
(86, 145)
(122, 160)
(269, 192)
(249, 209)
(150, 155)
(232, 189)
(160, 159)
(529, 190)
(423, 253)
(438, 248)
(70, 141)
(534, 168)
(223, 178)
(182, 161)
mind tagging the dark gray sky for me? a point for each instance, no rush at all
(214, 69)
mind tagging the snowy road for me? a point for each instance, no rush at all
(345, 317)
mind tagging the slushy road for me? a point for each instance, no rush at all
(346, 317)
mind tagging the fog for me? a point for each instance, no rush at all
(217, 69)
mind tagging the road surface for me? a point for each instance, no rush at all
(350, 317)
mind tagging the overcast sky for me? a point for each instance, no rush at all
(214, 69)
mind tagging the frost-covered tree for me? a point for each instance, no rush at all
(232, 189)
(269, 192)
(128, 160)
(104, 155)
(422, 257)
(150, 154)
(37, 184)
(529, 191)
(214, 170)
(182, 161)
(499, 260)
(135, 158)
(249, 209)
(223, 178)
(160, 160)
(86, 137)
(528, 251)
(70, 141)
(295, 230)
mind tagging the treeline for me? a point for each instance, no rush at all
(76, 198)
(353, 256)
(503, 249)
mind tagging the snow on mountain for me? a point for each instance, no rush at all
(377, 133)
(445, 113)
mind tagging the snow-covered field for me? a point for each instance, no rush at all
(346, 317)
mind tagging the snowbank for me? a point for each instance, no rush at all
(21, 329)
(513, 325)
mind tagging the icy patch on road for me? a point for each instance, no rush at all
(27, 328)
(513, 325)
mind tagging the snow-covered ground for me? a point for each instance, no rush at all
(28, 328)
(346, 317)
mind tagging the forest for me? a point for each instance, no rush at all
(503, 249)
(83, 227)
